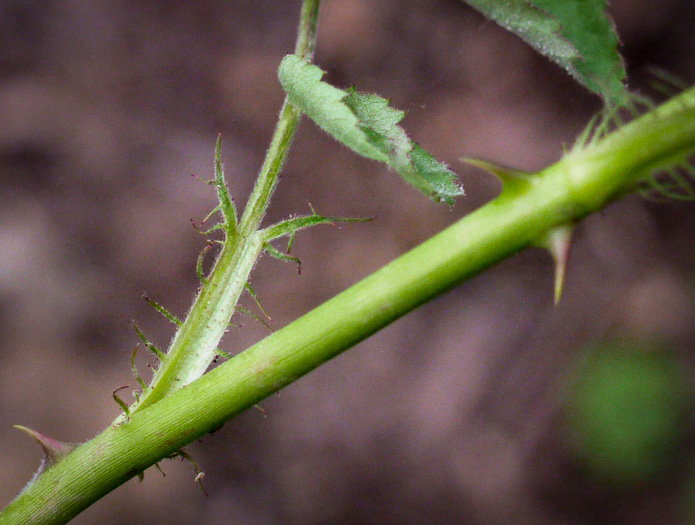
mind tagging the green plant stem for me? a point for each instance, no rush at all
(285, 130)
(582, 182)
(194, 345)
(306, 35)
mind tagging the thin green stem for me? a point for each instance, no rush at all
(194, 345)
(268, 176)
(284, 131)
(306, 35)
(581, 183)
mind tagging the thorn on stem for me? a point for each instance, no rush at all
(53, 449)
(512, 180)
(558, 241)
(120, 402)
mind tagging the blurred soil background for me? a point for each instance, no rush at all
(454, 414)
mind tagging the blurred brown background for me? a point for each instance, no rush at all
(448, 416)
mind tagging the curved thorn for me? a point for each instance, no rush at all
(226, 205)
(512, 180)
(166, 313)
(199, 263)
(255, 297)
(120, 402)
(156, 351)
(199, 474)
(134, 367)
(558, 241)
(53, 449)
(254, 317)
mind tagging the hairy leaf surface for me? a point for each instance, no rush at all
(366, 123)
(576, 34)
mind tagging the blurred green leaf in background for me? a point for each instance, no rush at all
(627, 412)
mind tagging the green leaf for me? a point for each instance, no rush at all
(323, 103)
(429, 175)
(378, 120)
(576, 34)
(625, 412)
(366, 124)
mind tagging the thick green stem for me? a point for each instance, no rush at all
(582, 182)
